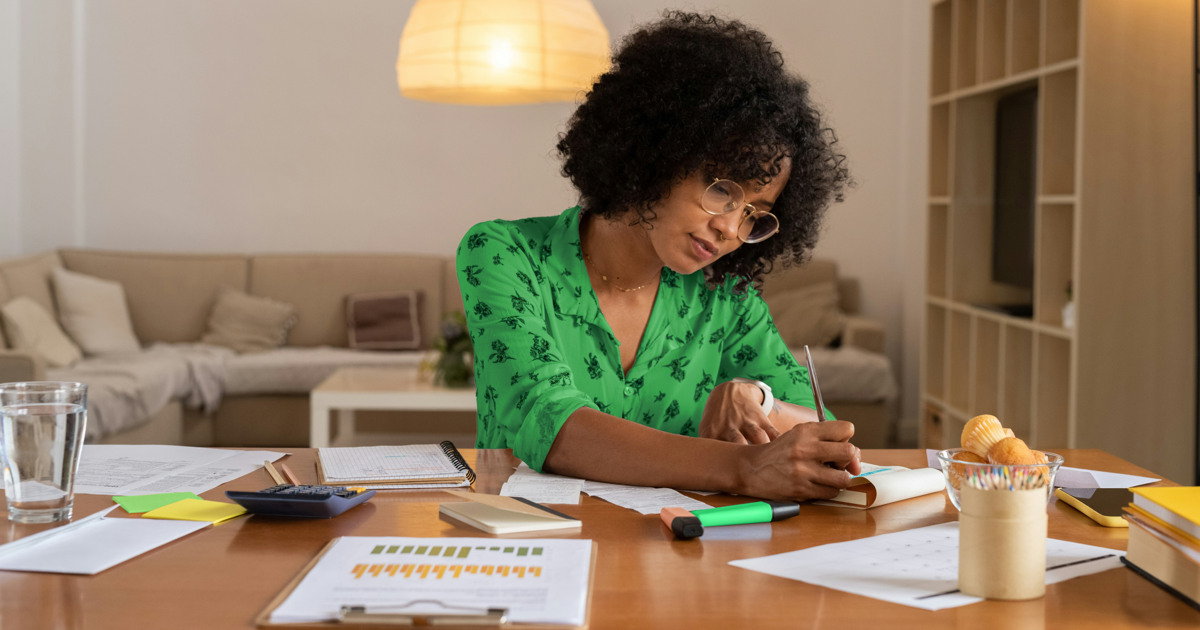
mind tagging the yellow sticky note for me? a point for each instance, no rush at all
(197, 510)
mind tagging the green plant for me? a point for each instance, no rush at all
(453, 368)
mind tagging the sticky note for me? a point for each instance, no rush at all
(146, 502)
(197, 510)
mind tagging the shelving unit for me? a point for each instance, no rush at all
(1113, 228)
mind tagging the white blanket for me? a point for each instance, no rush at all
(125, 390)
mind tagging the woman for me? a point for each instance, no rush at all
(608, 339)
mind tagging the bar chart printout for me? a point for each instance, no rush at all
(538, 581)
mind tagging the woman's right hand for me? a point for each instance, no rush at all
(792, 467)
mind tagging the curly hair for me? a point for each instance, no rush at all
(696, 93)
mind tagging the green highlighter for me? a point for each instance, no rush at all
(686, 524)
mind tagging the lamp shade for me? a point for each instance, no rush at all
(501, 52)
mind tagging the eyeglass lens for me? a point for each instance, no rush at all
(724, 196)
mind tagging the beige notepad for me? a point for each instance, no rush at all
(495, 519)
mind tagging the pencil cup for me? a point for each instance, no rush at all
(41, 432)
(1002, 543)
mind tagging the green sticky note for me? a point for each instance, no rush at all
(197, 510)
(146, 502)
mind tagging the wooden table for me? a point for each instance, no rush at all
(224, 576)
(394, 388)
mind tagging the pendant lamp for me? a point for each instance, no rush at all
(501, 52)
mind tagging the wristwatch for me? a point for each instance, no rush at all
(768, 403)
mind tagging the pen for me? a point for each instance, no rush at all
(816, 390)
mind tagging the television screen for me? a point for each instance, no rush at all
(1014, 195)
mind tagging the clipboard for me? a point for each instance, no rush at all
(468, 619)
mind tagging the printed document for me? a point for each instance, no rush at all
(537, 580)
(151, 469)
(91, 545)
(917, 567)
(542, 488)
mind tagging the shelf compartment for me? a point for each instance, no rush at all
(1062, 31)
(966, 21)
(985, 384)
(993, 39)
(939, 225)
(1051, 413)
(935, 351)
(972, 204)
(1057, 122)
(939, 150)
(1024, 35)
(1055, 255)
(1016, 399)
(939, 69)
(932, 423)
(958, 382)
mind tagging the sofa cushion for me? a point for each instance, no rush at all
(94, 313)
(298, 370)
(384, 321)
(852, 375)
(807, 315)
(30, 277)
(248, 323)
(32, 328)
(169, 295)
(319, 283)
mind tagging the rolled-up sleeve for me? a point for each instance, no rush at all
(525, 386)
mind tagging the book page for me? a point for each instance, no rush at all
(881, 485)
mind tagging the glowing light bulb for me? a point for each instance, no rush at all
(502, 55)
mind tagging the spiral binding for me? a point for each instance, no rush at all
(456, 458)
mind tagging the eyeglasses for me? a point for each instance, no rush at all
(724, 196)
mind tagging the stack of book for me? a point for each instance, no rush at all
(1164, 539)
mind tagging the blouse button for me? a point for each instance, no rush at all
(628, 391)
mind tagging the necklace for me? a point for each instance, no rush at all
(614, 285)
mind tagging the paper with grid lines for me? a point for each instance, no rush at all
(916, 567)
(407, 466)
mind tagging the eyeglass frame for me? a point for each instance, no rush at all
(746, 215)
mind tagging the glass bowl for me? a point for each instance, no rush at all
(996, 476)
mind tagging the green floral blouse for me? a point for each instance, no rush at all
(543, 348)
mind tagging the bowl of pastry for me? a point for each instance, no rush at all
(993, 458)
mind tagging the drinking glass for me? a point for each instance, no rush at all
(41, 435)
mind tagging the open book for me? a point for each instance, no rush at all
(880, 485)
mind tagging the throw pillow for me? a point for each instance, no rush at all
(384, 321)
(808, 315)
(31, 327)
(248, 323)
(94, 313)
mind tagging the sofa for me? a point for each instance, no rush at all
(166, 389)
(174, 391)
(813, 304)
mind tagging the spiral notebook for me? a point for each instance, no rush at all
(395, 467)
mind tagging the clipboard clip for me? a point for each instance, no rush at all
(396, 615)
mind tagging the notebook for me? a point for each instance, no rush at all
(409, 466)
(881, 485)
(495, 517)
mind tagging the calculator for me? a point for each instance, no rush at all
(291, 500)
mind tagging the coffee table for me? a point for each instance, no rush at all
(393, 388)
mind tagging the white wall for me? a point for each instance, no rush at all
(10, 127)
(276, 125)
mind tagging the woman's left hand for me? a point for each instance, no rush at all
(734, 413)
